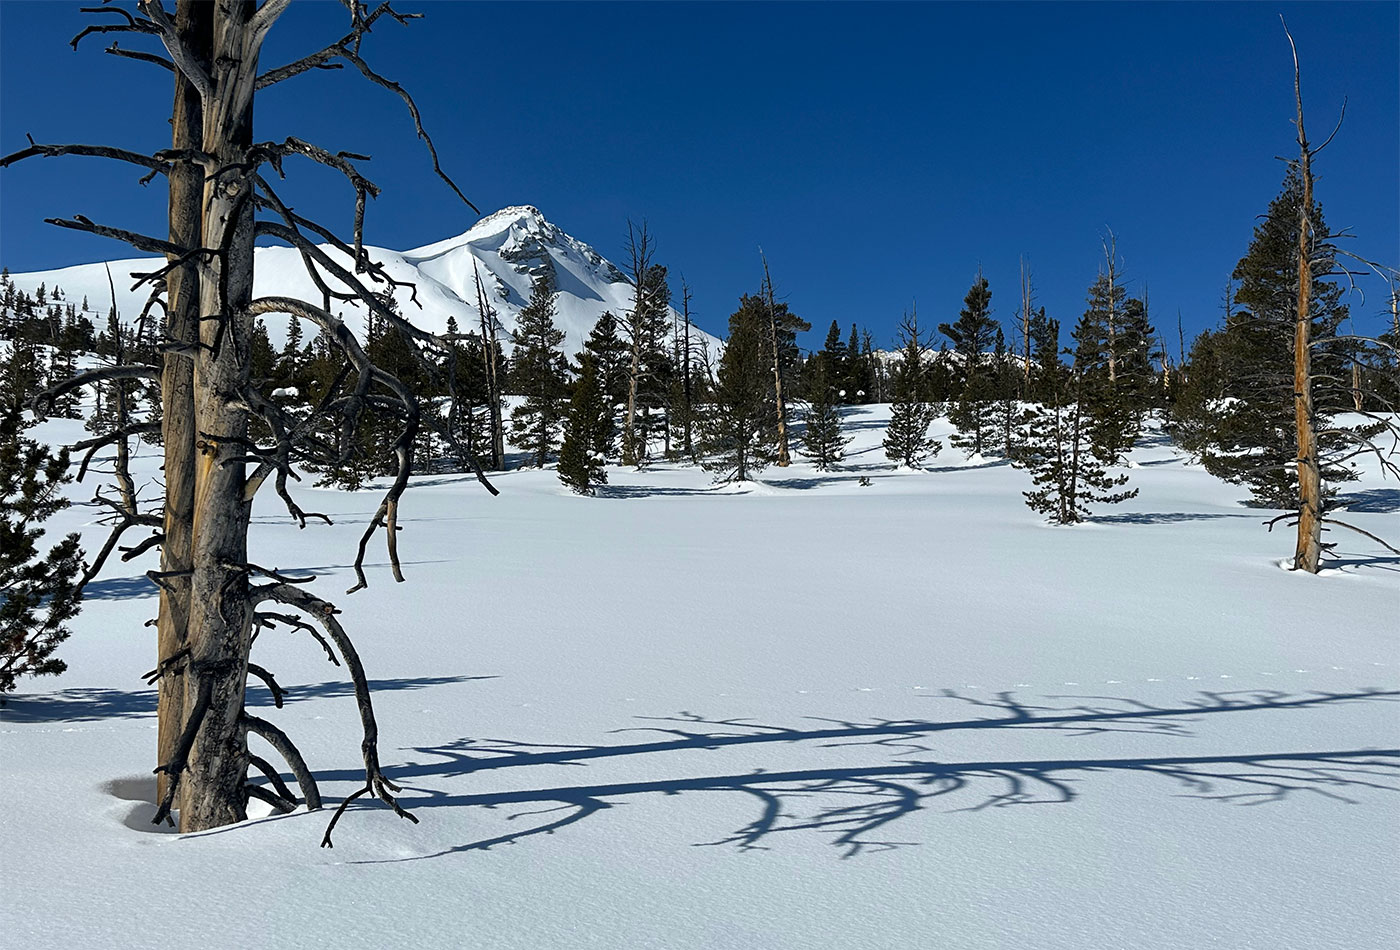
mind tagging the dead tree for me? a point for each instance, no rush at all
(784, 454)
(490, 350)
(640, 250)
(214, 599)
(1024, 321)
(687, 387)
(1111, 276)
(1312, 511)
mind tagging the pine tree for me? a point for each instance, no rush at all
(539, 375)
(834, 359)
(906, 439)
(610, 354)
(1245, 432)
(588, 431)
(822, 440)
(974, 333)
(739, 433)
(1061, 451)
(1008, 380)
(41, 594)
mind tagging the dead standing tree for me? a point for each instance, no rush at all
(1315, 254)
(214, 599)
(784, 458)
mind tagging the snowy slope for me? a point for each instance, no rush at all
(511, 247)
(801, 713)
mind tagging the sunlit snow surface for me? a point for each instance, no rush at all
(798, 713)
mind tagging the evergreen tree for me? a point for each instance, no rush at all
(906, 439)
(1045, 354)
(1007, 411)
(1240, 417)
(822, 440)
(540, 375)
(40, 593)
(856, 380)
(610, 354)
(835, 359)
(1062, 453)
(588, 431)
(289, 369)
(739, 434)
(975, 332)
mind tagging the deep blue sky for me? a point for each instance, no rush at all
(878, 153)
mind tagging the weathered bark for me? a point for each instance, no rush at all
(1110, 250)
(220, 616)
(639, 247)
(687, 391)
(1026, 327)
(1308, 551)
(493, 382)
(194, 25)
(207, 608)
(784, 455)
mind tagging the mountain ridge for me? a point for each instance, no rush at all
(510, 248)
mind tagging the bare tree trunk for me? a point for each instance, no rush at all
(1308, 552)
(1110, 250)
(220, 616)
(784, 455)
(639, 247)
(194, 23)
(493, 382)
(686, 388)
(1026, 324)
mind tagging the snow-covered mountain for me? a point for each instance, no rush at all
(510, 247)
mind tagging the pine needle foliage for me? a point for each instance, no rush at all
(39, 594)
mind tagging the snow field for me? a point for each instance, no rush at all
(796, 713)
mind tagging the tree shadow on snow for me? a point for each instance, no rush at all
(856, 807)
(86, 705)
(1163, 517)
(121, 588)
(1380, 501)
(647, 491)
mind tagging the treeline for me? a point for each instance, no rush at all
(1067, 407)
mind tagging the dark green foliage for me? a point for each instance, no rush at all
(38, 594)
(610, 354)
(973, 414)
(822, 440)
(1062, 452)
(1115, 349)
(588, 431)
(1006, 409)
(1045, 354)
(540, 375)
(975, 331)
(1236, 411)
(738, 436)
(906, 439)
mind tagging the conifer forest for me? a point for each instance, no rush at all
(367, 596)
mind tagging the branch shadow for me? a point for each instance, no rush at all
(1379, 501)
(1164, 517)
(139, 587)
(854, 806)
(89, 705)
(620, 492)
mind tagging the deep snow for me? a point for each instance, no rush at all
(796, 713)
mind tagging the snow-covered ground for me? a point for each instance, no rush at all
(799, 713)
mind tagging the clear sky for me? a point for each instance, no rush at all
(879, 153)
